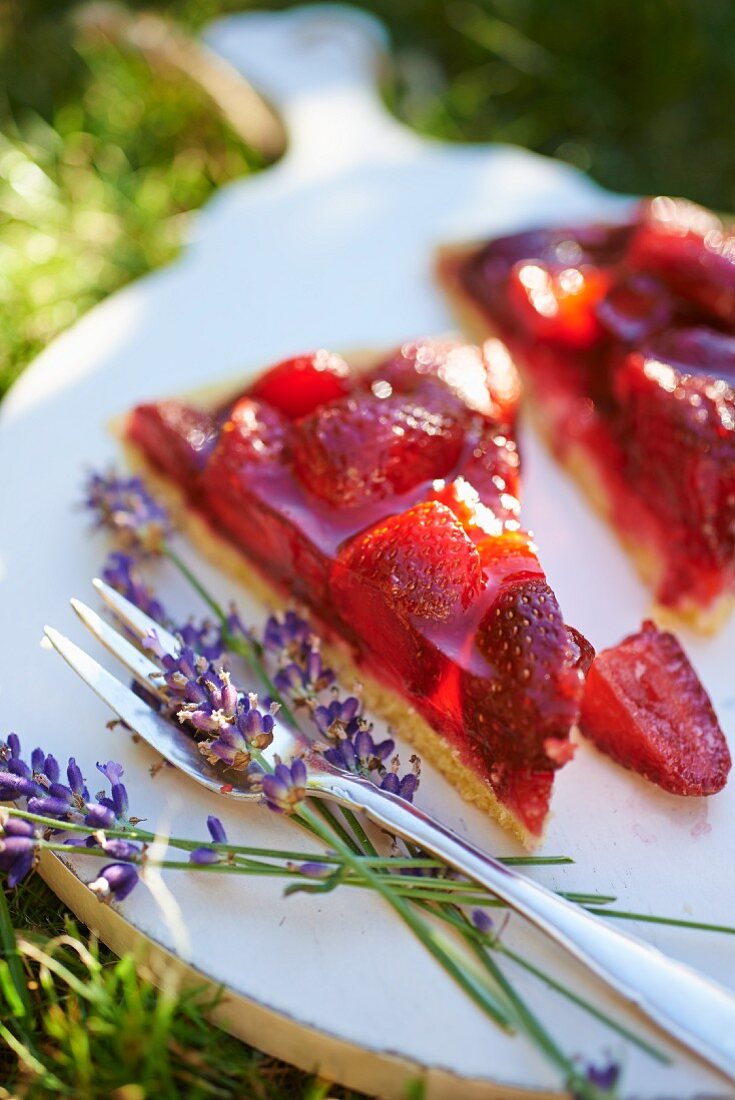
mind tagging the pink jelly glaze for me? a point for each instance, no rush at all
(675, 499)
(253, 496)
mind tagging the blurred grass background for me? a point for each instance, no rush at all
(104, 155)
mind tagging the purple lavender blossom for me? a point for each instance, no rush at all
(287, 633)
(250, 728)
(206, 854)
(286, 787)
(482, 921)
(216, 830)
(115, 882)
(77, 786)
(118, 797)
(118, 848)
(121, 572)
(98, 816)
(305, 677)
(404, 788)
(16, 786)
(603, 1077)
(204, 638)
(17, 848)
(124, 506)
(312, 869)
(339, 718)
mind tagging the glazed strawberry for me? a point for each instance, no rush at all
(177, 437)
(686, 246)
(559, 305)
(635, 307)
(367, 448)
(298, 386)
(253, 436)
(421, 561)
(645, 706)
(535, 681)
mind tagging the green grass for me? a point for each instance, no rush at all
(101, 161)
(102, 1029)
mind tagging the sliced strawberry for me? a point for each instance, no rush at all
(356, 450)
(686, 246)
(645, 706)
(298, 386)
(421, 561)
(558, 305)
(535, 685)
(176, 436)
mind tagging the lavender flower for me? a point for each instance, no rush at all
(124, 506)
(286, 787)
(204, 638)
(206, 854)
(16, 786)
(117, 801)
(306, 676)
(482, 921)
(404, 788)
(98, 816)
(603, 1080)
(121, 573)
(17, 848)
(286, 634)
(338, 719)
(250, 728)
(117, 847)
(311, 869)
(115, 882)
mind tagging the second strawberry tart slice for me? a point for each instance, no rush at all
(625, 335)
(382, 492)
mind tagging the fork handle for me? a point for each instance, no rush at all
(686, 1005)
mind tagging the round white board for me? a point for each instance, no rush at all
(333, 247)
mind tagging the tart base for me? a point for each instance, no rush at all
(379, 699)
(578, 463)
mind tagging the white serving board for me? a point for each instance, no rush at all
(333, 246)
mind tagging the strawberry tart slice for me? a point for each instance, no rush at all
(625, 336)
(382, 492)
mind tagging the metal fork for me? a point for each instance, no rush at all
(689, 1007)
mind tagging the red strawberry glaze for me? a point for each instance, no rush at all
(391, 510)
(645, 706)
(589, 313)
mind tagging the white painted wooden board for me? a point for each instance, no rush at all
(333, 246)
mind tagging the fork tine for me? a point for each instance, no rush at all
(174, 744)
(135, 619)
(138, 664)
